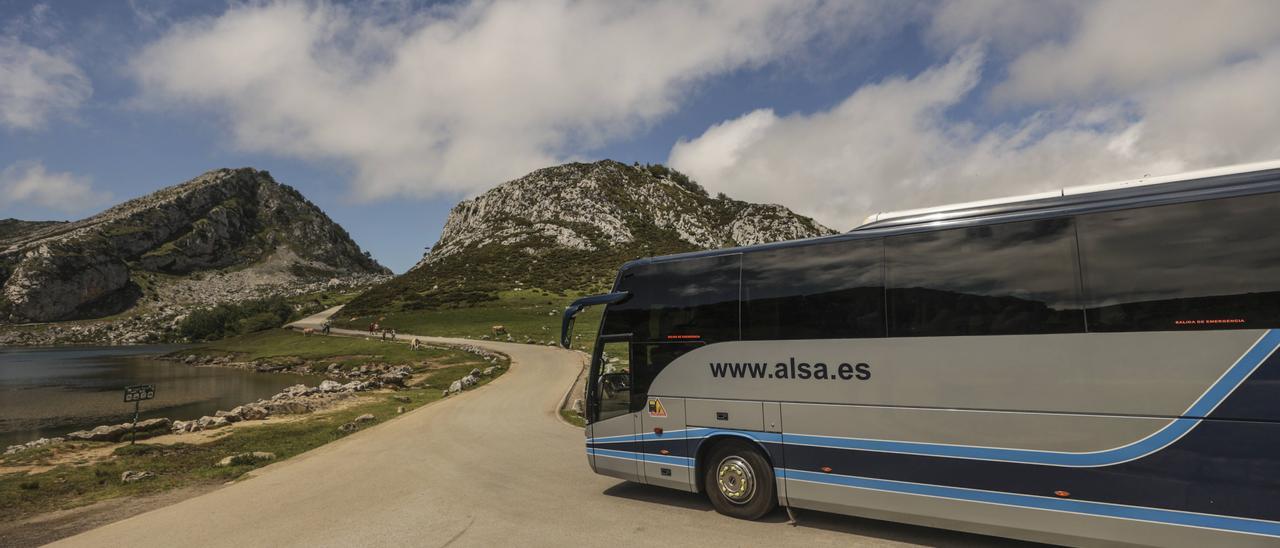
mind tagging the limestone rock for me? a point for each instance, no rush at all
(130, 476)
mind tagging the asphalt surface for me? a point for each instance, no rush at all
(490, 467)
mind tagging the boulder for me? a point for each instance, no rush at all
(130, 476)
(401, 399)
(367, 417)
(391, 379)
(489, 370)
(330, 386)
(454, 388)
(296, 390)
(349, 427)
(474, 372)
(102, 433)
(469, 381)
(209, 423)
(399, 409)
(231, 416)
(31, 445)
(246, 458)
(251, 412)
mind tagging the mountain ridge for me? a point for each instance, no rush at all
(567, 228)
(238, 227)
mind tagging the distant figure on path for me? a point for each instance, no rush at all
(393, 334)
(325, 327)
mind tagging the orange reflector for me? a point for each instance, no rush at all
(826, 468)
(1062, 493)
(664, 451)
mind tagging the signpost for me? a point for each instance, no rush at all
(136, 394)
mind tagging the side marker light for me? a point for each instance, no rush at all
(1063, 494)
(826, 469)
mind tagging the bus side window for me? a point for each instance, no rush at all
(1213, 264)
(687, 299)
(821, 291)
(1006, 279)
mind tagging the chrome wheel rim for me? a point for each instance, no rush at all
(736, 480)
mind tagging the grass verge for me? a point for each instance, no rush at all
(528, 316)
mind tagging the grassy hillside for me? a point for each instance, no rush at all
(529, 316)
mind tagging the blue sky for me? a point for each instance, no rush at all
(387, 113)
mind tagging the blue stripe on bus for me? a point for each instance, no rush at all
(1139, 513)
(685, 462)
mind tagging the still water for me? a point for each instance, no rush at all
(51, 391)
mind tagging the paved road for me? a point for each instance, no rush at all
(491, 467)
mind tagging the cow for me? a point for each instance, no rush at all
(499, 330)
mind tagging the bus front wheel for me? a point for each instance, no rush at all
(739, 481)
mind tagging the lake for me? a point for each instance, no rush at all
(47, 392)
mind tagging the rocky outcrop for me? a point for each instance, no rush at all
(116, 432)
(230, 233)
(570, 227)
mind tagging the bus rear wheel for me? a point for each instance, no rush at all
(739, 481)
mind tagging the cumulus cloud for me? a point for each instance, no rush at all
(1128, 45)
(36, 84)
(467, 95)
(899, 143)
(31, 183)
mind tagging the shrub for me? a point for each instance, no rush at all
(226, 320)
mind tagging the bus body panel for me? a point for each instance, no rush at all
(667, 461)
(730, 414)
(615, 447)
(1031, 431)
(1156, 374)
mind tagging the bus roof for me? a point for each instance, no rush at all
(1028, 201)
(1243, 179)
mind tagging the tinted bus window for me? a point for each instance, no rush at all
(1202, 265)
(826, 291)
(691, 299)
(1014, 278)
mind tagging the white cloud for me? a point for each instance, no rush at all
(891, 145)
(31, 183)
(36, 84)
(1007, 26)
(467, 95)
(1124, 46)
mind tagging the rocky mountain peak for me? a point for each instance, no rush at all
(237, 223)
(569, 227)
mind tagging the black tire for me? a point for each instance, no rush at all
(739, 481)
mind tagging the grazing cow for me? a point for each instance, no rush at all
(308, 332)
(499, 330)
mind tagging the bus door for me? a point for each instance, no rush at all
(667, 461)
(614, 444)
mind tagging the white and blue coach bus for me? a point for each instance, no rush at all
(1083, 366)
